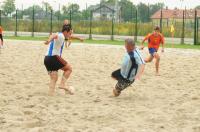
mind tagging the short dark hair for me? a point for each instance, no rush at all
(157, 28)
(66, 28)
(130, 41)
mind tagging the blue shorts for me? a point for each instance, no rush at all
(152, 51)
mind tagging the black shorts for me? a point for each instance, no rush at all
(1, 37)
(117, 75)
(54, 63)
(122, 82)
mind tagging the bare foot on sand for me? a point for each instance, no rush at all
(116, 93)
(69, 89)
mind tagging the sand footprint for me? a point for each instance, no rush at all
(33, 123)
(196, 129)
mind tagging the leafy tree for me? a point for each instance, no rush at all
(47, 6)
(127, 9)
(73, 7)
(37, 10)
(112, 1)
(8, 7)
(103, 1)
(146, 11)
(155, 7)
(143, 11)
(86, 14)
(198, 7)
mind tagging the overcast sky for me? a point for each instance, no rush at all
(55, 3)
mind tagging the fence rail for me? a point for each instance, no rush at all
(186, 30)
(100, 37)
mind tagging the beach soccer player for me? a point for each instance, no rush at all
(54, 62)
(1, 36)
(68, 40)
(132, 68)
(154, 40)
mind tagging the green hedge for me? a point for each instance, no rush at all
(98, 27)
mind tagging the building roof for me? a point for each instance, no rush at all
(176, 13)
(107, 6)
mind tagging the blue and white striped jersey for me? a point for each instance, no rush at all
(56, 46)
(131, 63)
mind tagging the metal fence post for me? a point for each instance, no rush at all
(112, 35)
(183, 28)
(59, 13)
(33, 26)
(46, 9)
(148, 19)
(90, 35)
(195, 28)
(0, 17)
(161, 15)
(70, 17)
(16, 23)
(136, 25)
(51, 21)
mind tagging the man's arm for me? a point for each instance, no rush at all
(141, 64)
(142, 44)
(162, 42)
(140, 72)
(76, 38)
(51, 37)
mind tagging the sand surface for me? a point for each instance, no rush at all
(166, 103)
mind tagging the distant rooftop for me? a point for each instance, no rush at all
(176, 13)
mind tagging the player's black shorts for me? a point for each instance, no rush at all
(122, 82)
(54, 63)
(1, 37)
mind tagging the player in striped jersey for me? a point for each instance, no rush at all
(132, 68)
(54, 62)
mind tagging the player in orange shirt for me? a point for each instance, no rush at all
(154, 41)
(1, 36)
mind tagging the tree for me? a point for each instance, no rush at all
(73, 7)
(143, 12)
(146, 11)
(37, 10)
(127, 9)
(198, 7)
(112, 1)
(8, 7)
(86, 14)
(47, 6)
(103, 1)
(155, 7)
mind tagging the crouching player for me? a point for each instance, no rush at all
(132, 68)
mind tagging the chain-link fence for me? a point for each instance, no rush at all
(104, 21)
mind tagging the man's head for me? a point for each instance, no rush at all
(157, 29)
(66, 22)
(129, 45)
(66, 30)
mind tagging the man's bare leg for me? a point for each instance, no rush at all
(149, 59)
(52, 85)
(67, 71)
(157, 63)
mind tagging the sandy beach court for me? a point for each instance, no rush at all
(166, 103)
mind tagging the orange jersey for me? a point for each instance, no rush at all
(154, 40)
(1, 30)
